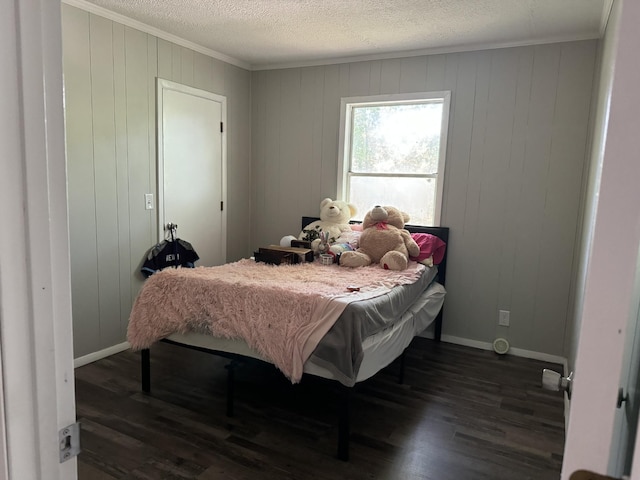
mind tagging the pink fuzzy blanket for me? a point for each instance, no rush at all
(282, 311)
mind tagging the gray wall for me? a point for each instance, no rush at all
(514, 175)
(110, 72)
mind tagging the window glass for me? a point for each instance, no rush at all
(393, 152)
(415, 196)
(396, 138)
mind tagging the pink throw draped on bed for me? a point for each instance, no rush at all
(282, 311)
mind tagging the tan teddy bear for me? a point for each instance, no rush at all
(384, 240)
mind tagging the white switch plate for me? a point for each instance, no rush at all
(503, 318)
(148, 201)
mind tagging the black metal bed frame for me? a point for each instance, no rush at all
(345, 393)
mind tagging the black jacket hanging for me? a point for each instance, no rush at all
(169, 253)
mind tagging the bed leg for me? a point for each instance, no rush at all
(231, 367)
(145, 357)
(343, 423)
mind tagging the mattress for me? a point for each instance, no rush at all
(367, 336)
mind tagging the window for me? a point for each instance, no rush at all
(393, 151)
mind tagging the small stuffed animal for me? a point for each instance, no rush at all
(384, 240)
(334, 219)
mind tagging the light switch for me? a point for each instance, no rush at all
(148, 201)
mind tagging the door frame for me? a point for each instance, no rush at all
(609, 288)
(161, 85)
(38, 397)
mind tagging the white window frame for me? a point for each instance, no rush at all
(347, 104)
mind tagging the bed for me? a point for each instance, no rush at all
(351, 334)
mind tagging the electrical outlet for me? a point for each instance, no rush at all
(148, 201)
(503, 318)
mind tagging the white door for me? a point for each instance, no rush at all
(191, 168)
(610, 301)
(37, 378)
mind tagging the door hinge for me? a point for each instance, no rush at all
(221, 206)
(69, 441)
(221, 127)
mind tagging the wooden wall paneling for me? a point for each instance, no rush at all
(532, 191)
(186, 57)
(345, 76)
(165, 59)
(330, 163)
(525, 297)
(318, 139)
(455, 202)
(494, 181)
(152, 74)
(217, 85)
(457, 157)
(413, 74)
(258, 153)
(330, 128)
(176, 63)
(448, 83)
(511, 227)
(330, 167)
(126, 263)
(238, 164)
(390, 76)
(374, 77)
(450, 73)
(474, 277)
(292, 188)
(436, 69)
(81, 179)
(236, 241)
(104, 160)
(308, 190)
(110, 77)
(564, 185)
(272, 180)
(202, 67)
(359, 78)
(500, 157)
(137, 84)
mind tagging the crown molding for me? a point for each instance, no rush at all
(143, 27)
(422, 52)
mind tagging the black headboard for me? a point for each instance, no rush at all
(440, 232)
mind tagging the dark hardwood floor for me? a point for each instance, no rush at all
(461, 414)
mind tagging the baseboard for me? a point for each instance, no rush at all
(92, 357)
(518, 352)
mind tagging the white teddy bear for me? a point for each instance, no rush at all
(334, 219)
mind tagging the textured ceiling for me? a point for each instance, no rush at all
(263, 33)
